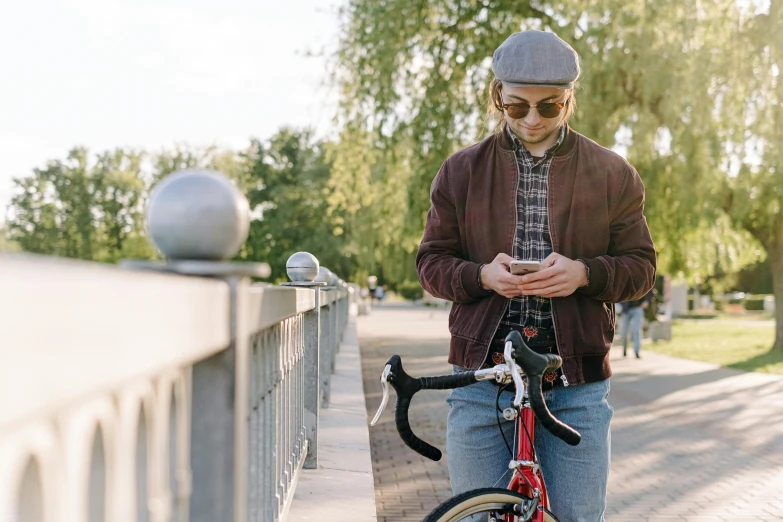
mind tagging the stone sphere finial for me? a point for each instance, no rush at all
(302, 267)
(324, 275)
(198, 215)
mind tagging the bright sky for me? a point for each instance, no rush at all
(151, 73)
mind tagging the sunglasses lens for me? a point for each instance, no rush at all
(549, 110)
(518, 111)
(546, 110)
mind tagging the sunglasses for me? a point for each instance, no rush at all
(518, 111)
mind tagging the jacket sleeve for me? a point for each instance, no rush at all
(443, 270)
(627, 271)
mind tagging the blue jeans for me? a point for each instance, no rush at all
(575, 476)
(632, 322)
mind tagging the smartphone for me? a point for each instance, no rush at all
(519, 267)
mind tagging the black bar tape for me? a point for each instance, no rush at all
(411, 440)
(406, 387)
(545, 417)
(448, 382)
(535, 365)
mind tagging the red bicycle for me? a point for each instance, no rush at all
(525, 498)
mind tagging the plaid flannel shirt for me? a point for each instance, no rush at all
(532, 239)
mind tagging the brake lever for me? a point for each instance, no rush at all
(385, 400)
(518, 382)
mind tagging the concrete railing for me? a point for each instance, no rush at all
(169, 391)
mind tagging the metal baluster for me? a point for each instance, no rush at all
(268, 434)
(326, 352)
(280, 438)
(285, 340)
(304, 271)
(254, 489)
(337, 316)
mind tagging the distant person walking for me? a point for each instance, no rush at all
(633, 313)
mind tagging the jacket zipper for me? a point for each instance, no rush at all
(513, 237)
(549, 229)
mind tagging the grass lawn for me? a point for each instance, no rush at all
(737, 343)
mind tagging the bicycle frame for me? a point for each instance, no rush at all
(527, 478)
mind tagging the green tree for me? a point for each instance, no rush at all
(82, 209)
(6, 245)
(692, 92)
(119, 195)
(414, 78)
(369, 197)
(182, 157)
(95, 209)
(287, 186)
(750, 107)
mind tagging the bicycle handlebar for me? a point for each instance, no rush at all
(533, 364)
(406, 386)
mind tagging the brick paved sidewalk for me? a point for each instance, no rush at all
(407, 486)
(691, 441)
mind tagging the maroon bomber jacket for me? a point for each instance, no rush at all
(596, 212)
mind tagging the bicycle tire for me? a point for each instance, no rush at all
(478, 501)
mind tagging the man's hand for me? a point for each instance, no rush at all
(495, 276)
(558, 277)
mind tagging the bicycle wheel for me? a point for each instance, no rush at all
(478, 501)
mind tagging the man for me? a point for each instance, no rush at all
(633, 313)
(536, 190)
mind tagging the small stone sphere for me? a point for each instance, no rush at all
(198, 215)
(324, 275)
(302, 267)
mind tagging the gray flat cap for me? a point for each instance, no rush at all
(536, 59)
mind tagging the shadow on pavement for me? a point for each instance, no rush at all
(650, 387)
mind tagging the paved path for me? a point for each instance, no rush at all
(690, 441)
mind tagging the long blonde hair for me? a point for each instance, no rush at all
(495, 106)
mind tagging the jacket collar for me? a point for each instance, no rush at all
(506, 143)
